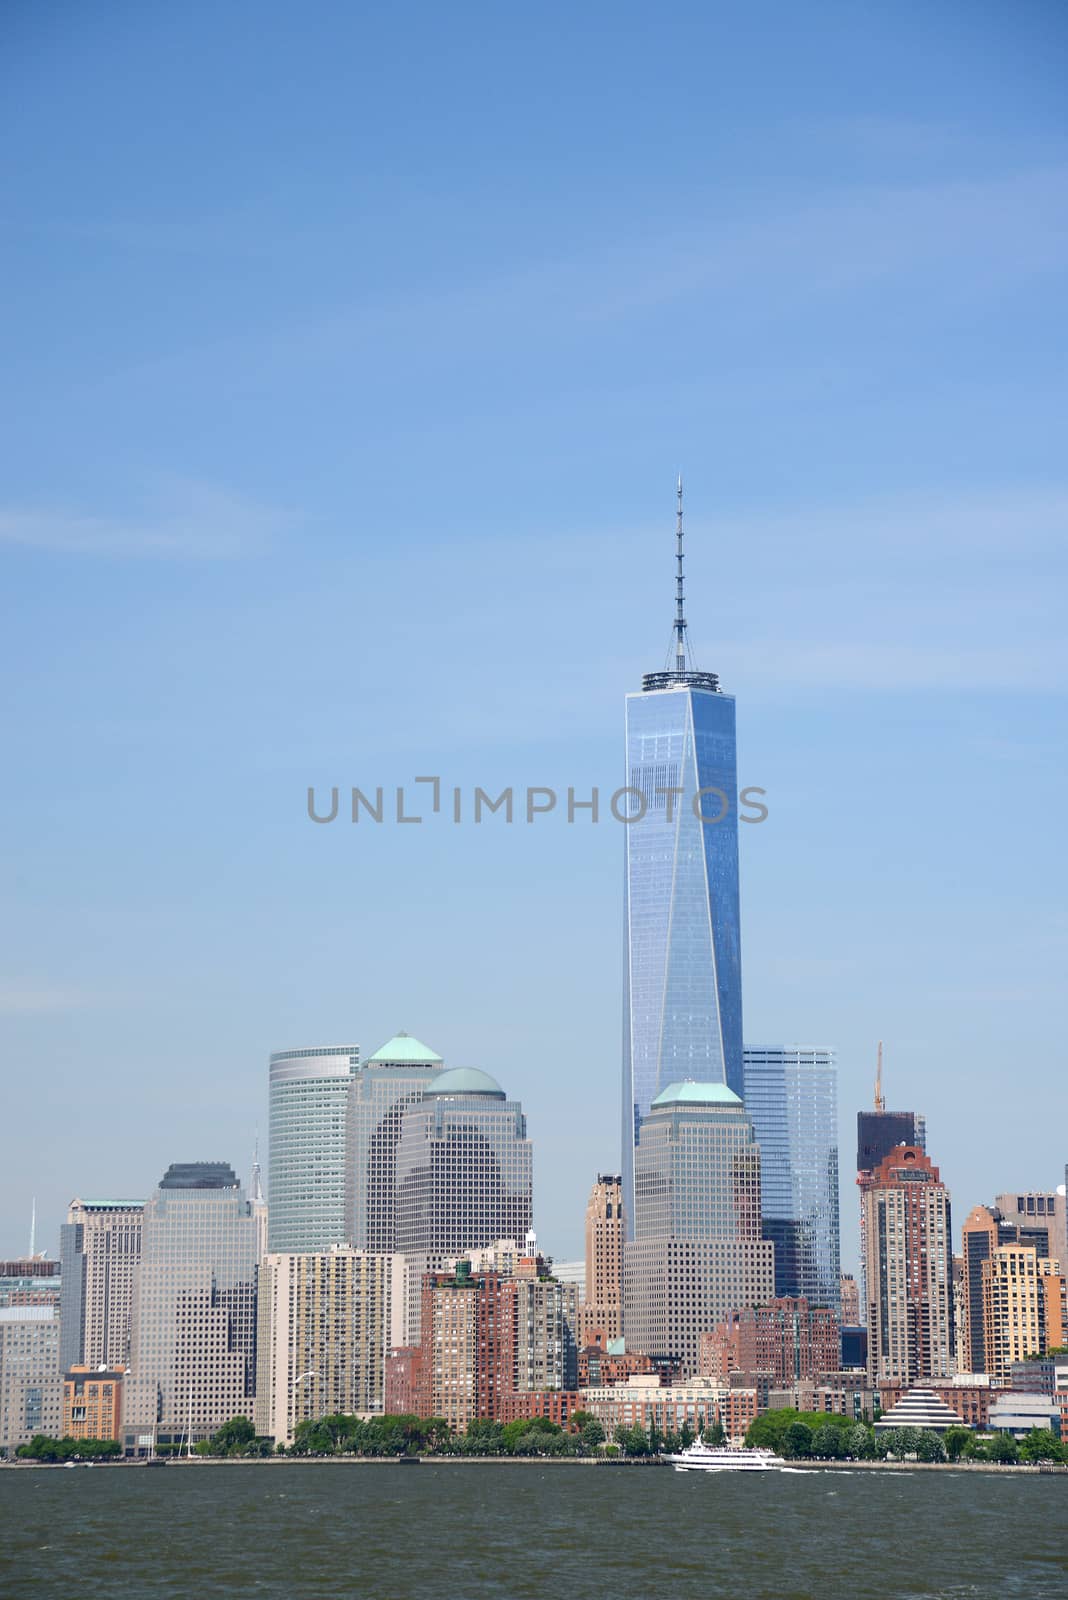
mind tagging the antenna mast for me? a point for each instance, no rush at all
(680, 611)
(880, 1103)
(33, 1228)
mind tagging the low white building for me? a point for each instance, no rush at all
(1017, 1413)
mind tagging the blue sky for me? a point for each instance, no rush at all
(350, 358)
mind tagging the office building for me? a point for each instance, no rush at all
(325, 1327)
(602, 1310)
(92, 1402)
(682, 969)
(908, 1248)
(30, 1389)
(29, 1281)
(385, 1085)
(100, 1247)
(193, 1328)
(697, 1252)
(310, 1095)
(464, 1174)
(791, 1095)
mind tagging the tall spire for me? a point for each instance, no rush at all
(680, 610)
(257, 1180)
(33, 1228)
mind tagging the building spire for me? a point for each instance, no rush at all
(680, 609)
(33, 1228)
(257, 1180)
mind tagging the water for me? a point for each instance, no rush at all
(385, 1532)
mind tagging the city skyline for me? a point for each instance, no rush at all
(387, 492)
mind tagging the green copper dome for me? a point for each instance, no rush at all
(406, 1051)
(466, 1080)
(689, 1093)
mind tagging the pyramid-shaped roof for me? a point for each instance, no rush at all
(406, 1051)
(921, 1408)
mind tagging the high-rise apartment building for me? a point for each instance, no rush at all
(30, 1385)
(193, 1328)
(464, 1173)
(985, 1230)
(99, 1247)
(325, 1325)
(791, 1095)
(697, 1252)
(908, 1249)
(787, 1339)
(602, 1310)
(682, 971)
(1023, 1307)
(385, 1085)
(849, 1293)
(488, 1336)
(1043, 1208)
(310, 1095)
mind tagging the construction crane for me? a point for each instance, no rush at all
(880, 1103)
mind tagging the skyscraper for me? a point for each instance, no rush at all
(99, 1247)
(985, 1231)
(394, 1078)
(325, 1324)
(602, 1310)
(696, 1253)
(682, 971)
(463, 1174)
(791, 1094)
(909, 1250)
(193, 1329)
(310, 1105)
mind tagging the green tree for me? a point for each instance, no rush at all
(957, 1442)
(797, 1441)
(716, 1436)
(929, 1447)
(592, 1433)
(1041, 1445)
(1003, 1448)
(828, 1443)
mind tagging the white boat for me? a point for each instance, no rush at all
(702, 1457)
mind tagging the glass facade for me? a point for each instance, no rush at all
(307, 1189)
(791, 1094)
(682, 971)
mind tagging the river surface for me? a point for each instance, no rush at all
(308, 1532)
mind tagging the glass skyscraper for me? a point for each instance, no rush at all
(791, 1094)
(682, 972)
(307, 1183)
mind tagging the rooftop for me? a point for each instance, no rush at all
(466, 1080)
(691, 1093)
(402, 1048)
